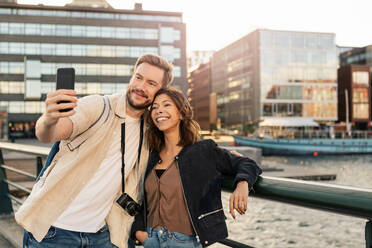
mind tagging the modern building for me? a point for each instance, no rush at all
(100, 42)
(195, 58)
(270, 73)
(354, 97)
(354, 79)
(357, 56)
(199, 91)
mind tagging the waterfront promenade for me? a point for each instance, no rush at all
(271, 224)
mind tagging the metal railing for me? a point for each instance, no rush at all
(356, 202)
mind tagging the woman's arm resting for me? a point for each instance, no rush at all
(238, 199)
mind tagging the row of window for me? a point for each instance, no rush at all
(80, 69)
(320, 93)
(20, 107)
(358, 58)
(77, 50)
(14, 87)
(270, 75)
(271, 57)
(320, 110)
(168, 34)
(93, 15)
(298, 40)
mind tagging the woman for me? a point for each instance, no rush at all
(182, 206)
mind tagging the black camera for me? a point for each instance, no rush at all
(128, 204)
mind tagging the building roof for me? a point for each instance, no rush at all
(288, 122)
(90, 3)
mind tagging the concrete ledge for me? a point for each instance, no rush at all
(11, 231)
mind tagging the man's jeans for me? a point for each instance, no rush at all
(58, 238)
(162, 238)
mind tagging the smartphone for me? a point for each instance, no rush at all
(65, 80)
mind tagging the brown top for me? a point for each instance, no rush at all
(166, 205)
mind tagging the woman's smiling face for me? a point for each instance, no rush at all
(165, 114)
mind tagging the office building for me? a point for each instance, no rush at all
(195, 58)
(354, 79)
(357, 56)
(354, 99)
(270, 73)
(100, 42)
(199, 91)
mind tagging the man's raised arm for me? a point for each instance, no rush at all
(54, 125)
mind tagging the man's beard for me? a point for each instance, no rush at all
(137, 106)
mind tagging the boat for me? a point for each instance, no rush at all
(301, 138)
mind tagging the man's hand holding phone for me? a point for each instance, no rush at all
(61, 102)
(58, 100)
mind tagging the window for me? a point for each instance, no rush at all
(78, 31)
(123, 70)
(48, 49)
(48, 29)
(32, 29)
(47, 87)
(16, 107)
(107, 51)
(4, 28)
(107, 69)
(108, 32)
(32, 48)
(48, 68)
(93, 69)
(177, 71)
(93, 50)
(122, 33)
(167, 52)
(311, 40)
(360, 78)
(15, 48)
(360, 111)
(78, 50)
(108, 88)
(33, 89)
(33, 69)
(63, 30)
(16, 67)
(93, 31)
(63, 49)
(16, 28)
(166, 35)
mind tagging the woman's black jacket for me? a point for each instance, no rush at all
(201, 168)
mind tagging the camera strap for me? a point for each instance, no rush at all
(123, 151)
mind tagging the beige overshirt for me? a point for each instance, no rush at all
(71, 170)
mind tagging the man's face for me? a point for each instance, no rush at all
(145, 82)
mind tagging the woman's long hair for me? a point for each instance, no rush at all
(189, 128)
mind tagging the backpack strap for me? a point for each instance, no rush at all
(77, 141)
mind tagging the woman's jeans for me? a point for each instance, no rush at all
(58, 238)
(161, 238)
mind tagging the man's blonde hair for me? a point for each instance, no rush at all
(159, 62)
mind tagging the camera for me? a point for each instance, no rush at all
(128, 204)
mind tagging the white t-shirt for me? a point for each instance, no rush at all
(87, 212)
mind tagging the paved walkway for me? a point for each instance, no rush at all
(10, 232)
(4, 243)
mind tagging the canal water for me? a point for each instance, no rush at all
(272, 224)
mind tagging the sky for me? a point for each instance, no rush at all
(213, 24)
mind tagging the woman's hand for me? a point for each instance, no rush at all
(141, 236)
(238, 199)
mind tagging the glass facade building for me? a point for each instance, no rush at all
(276, 74)
(102, 44)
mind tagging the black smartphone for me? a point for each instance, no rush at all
(65, 80)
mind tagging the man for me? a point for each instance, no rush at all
(74, 202)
